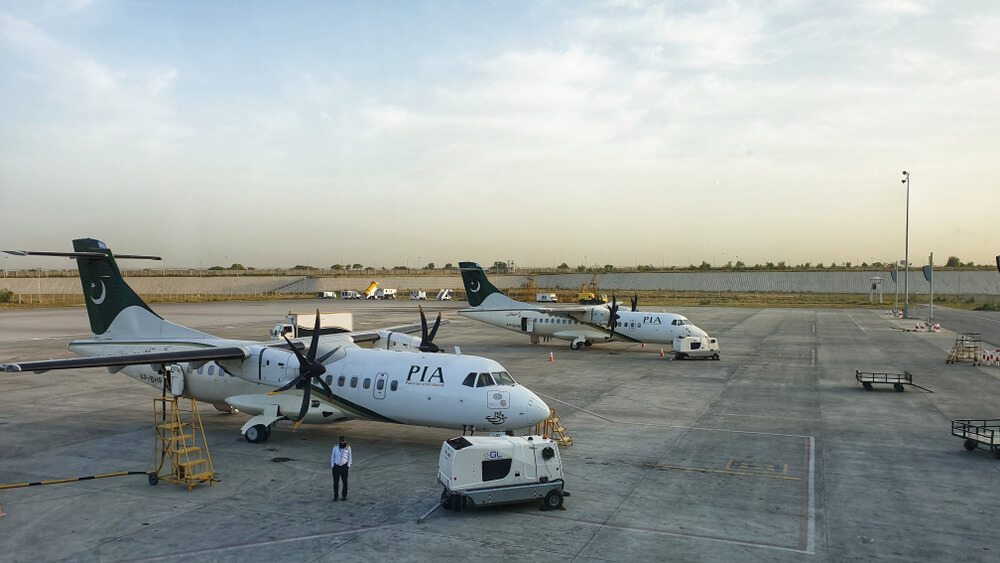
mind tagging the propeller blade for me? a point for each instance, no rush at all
(293, 383)
(613, 317)
(635, 302)
(434, 329)
(427, 340)
(306, 397)
(315, 339)
(326, 388)
(324, 357)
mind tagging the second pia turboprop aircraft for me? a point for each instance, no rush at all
(582, 326)
(337, 380)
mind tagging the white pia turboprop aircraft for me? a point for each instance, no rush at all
(405, 383)
(582, 326)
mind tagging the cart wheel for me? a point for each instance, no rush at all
(553, 501)
(898, 387)
(153, 479)
(970, 444)
(867, 386)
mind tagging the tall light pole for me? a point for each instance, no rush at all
(906, 276)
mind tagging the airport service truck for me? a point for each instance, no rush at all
(418, 295)
(444, 295)
(696, 347)
(370, 292)
(327, 295)
(546, 298)
(385, 293)
(486, 470)
(591, 299)
(349, 294)
(298, 325)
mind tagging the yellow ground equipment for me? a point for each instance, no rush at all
(968, 346)
(554, 428)
(180, 442)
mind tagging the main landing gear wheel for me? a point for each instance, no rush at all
(257, 434)
(552, 501)
(575, 345)
(587, 343)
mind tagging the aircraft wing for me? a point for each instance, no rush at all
(373, 335)
(199, 355)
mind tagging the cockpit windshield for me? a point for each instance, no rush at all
(680, 322)
(503, 378)
(488, 379)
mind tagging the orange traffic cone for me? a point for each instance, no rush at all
(643, 344)
(661, 352)
(551, 359)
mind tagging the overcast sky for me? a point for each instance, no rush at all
(402, 133)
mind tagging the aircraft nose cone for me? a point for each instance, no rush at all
(537, 411)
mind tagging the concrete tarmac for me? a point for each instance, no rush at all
(774, 453)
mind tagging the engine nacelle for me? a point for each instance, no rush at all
(389, 340)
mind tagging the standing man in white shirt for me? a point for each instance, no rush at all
(340, 462)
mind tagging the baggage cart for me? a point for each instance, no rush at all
(978, 433)
(868, 379)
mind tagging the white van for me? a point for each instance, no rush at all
(546, 298)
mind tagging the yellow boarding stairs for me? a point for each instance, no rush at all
(180, 441)
(554, 428)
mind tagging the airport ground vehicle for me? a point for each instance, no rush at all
(418, 295)
(591, 299)
(485, 470)
(347, 294)
(300, 325)
(385, 293)
(444, 295)
(696, 347)
(546, 298)
(369, 292)
(978, 432)
(327, 295)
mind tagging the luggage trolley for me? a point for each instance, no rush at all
(978, 433)
(897, 380)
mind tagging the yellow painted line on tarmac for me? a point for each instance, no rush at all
(707, 470)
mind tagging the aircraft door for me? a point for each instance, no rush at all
(527, 325)
(381, 380)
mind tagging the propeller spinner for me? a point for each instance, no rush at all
(310, 368)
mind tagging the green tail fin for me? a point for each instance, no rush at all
(104, 289)
(477, 287)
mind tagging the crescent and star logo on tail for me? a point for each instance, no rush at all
(104, 293)
(476, 288)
